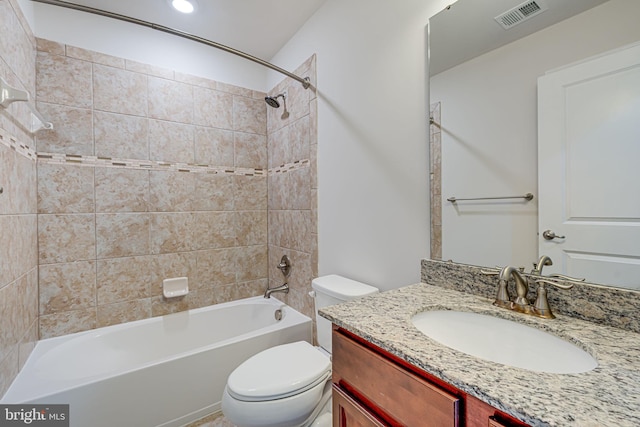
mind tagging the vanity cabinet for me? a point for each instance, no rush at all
(373, 388)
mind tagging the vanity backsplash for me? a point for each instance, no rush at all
(615, 307)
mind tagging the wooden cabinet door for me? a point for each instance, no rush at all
(348, 413)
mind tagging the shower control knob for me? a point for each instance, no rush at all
(285, 266)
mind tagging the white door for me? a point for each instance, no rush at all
(589, 168)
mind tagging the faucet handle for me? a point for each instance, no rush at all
(491, 271)
(562, 276)
(541, 306)
(543, 282)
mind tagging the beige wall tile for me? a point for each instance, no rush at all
(9, 367)
(169, 266)
(18, 180)
(72, 131)
(250, 192)
(213, 108)
(170, 100)
(213, 192)
(249, 115)
(50, 46)
(65, 189)
(119, 91)
(195, 80)
(66, 238)
(172, 232)
(62, 80)
(171, 142)
(235, 90)
(216, 267)
(291, 230)
(18, 246)
(250, 150)
(67, 322)
(214, 146)
(113, 314)
(298, 185)
(252, 228)
(161, 306)
(278, 144)
(278, 191)
(68, 286)
(214, 230)
(299, 140)
(10, 311)
(151, 70)
(95, 57)
(124, 279)
(171, 191)
(121, 190)
(121, 136)
(252, 263)
(122, 234)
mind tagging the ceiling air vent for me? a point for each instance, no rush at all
(520, 13)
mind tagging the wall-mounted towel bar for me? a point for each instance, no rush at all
(527, 197)
(9, 95)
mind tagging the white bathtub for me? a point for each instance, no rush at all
(164, 371)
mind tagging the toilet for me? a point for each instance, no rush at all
(289, 385)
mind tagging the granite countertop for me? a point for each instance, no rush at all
(609, 395)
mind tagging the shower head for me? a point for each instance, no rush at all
(272, 101)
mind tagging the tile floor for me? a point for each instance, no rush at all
(213, 420)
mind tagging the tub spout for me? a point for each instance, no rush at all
(284, 288)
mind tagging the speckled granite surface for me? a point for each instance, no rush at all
(587, 301)
(607, 396)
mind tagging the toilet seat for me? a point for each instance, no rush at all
(279, 372)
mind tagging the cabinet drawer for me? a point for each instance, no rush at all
(348, 413)
(407, 398)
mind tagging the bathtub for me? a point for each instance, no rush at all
(164, 371)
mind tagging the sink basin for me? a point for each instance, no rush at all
(503, 341)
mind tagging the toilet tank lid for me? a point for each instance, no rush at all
(342, 288)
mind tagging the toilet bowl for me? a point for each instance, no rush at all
(290, 385)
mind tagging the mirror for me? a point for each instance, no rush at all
(483, 94)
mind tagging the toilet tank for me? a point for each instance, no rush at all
(330, 290)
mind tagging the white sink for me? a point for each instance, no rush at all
(503, 341)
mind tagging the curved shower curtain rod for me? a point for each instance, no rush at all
(304, 81)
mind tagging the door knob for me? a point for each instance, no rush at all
(550, 235)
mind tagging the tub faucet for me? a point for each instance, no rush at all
(284, 288)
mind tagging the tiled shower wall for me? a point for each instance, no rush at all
(150, 174)
(18, 221)
(293, 144)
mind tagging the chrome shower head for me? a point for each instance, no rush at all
(272, 101)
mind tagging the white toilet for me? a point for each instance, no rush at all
(290, 385)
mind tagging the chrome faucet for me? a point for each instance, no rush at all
(284, 288)
(537, 268)
(285, 267)
(521, 303)
(522, 287)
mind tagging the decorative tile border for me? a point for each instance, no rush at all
(12, 142)
(108, 162)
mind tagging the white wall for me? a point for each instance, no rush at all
(134, 42)
(372, 129)
(489, 132)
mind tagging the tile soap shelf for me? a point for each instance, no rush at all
(9, 95)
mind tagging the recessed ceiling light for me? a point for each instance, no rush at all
(184, 6)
